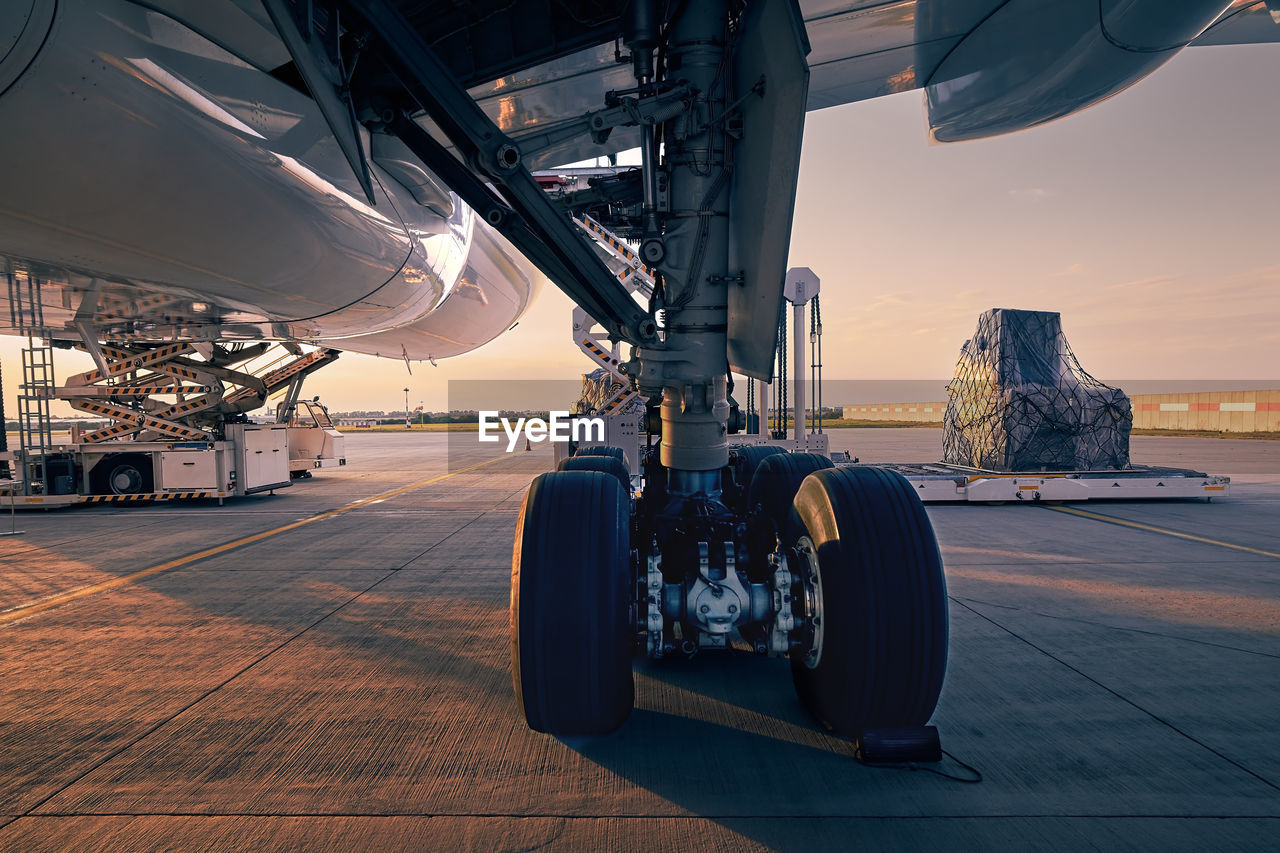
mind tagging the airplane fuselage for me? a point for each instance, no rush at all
(143, 161)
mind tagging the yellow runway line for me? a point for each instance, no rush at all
(1164, 530)
(23, 611)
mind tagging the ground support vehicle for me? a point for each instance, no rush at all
(250, 458)
(314, 441)
(176, 424)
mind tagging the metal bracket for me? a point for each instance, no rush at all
(326, 83)
(628, 112)
(89, 337)
(717, 604)
(784, 622)
(654, 620)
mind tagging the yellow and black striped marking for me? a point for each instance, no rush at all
(108, 432)
(621, 249)
(180, 372)
(600, 353)
(137, 420)
(617, 404)
(124, 361)
(150, 496)
(147, 390)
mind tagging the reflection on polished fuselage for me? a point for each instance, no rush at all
(165, 188)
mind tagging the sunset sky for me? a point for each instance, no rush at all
(1149, 222)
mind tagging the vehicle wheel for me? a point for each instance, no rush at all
(604, 464)
(748, 458)
(603, 450)
(776, 480)
(128, 474)
(873, 602)
(571, 597)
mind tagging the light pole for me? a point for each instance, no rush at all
(407, 415)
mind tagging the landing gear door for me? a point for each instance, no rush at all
(766, 166)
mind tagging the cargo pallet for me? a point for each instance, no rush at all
(937, 482)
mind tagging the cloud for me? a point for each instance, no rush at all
(889, 300)
(1145, 283)
(1260, 274)
(1074, 269)
(1033, 194)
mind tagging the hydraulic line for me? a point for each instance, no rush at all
(815, 366)
(783, 421)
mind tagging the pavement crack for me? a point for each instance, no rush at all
(1162, 721)
(435, 545)
(1123, 628)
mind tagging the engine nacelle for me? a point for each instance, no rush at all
(1032, 62)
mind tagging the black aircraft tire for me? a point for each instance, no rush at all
(776, 480)
(611, 465)
(884, 601)
(749, 458)
(571, 636)
(602, 450)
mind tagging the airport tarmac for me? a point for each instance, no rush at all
(327, 668)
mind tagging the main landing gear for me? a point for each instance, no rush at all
(836, 569)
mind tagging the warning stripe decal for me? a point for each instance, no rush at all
(148, 496)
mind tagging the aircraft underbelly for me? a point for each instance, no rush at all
(139, 157)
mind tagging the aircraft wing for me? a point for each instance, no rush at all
(863, 50)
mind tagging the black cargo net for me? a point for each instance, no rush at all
(1021, 402)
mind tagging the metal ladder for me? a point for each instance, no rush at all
(287, 371)
(636, 277)
(35, 431)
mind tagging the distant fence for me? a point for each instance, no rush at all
(1228, 411)
(1214, 411)
(914, 412)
